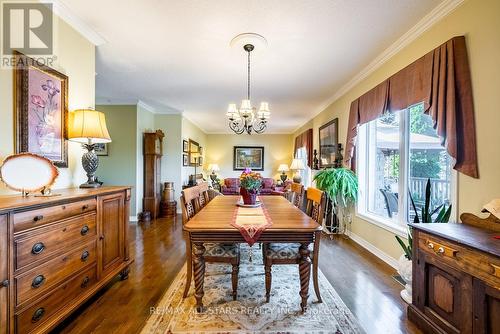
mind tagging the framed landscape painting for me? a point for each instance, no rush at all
(41, 110)
(248, 157)
(328, 140)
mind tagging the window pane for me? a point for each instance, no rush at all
(428, 160)
(384, 159)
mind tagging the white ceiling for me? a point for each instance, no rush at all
(175, 55)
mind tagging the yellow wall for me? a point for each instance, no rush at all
(277, 150)
(191, 131)
(478, 21)
(76, 59)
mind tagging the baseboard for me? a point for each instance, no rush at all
(374, 250)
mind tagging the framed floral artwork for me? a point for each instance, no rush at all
(41, 110)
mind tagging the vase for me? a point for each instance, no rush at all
(249, 198)
(405, 270)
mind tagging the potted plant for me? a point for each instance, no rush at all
(250, 184)
(405, 261)
(341, 186)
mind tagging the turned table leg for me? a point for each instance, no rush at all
(305, 273)
(199, 273)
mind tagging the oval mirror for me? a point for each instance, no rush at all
(28, 172)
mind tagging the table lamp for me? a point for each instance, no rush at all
(297, 165)
(283, 168)
(88, 127)
(213, 168)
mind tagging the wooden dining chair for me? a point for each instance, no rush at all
(297, 192)
(214, 252)
(203, 194)
(212, 193)
(288, 253)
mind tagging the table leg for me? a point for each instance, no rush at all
(199, 273)
(305, 273)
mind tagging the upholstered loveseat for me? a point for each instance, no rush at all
(231, 186)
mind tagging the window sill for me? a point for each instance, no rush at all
(395, 228)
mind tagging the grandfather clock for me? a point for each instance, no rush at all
(153, 150)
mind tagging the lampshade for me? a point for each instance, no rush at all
(88, 124)
(232, 112)
(213, 167)
(283, 168)
(297, 164)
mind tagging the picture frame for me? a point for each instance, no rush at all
(101, 149)
(41, 110)
(248, 157)
(200, 161)
(185, 160)
(185, 146)
(328, 143)
(194, 152)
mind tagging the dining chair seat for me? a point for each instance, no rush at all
(221, 250)
(284, 251)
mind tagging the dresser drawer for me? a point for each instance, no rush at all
(39, 217)
(31, 318)
(42, 278)
(477, 264)
(41, 244)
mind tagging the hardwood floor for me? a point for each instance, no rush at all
(362, 280)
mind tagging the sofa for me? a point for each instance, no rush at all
(231, 186)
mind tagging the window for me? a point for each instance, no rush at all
(397, 153)
(306, 173)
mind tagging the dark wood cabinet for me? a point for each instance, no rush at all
(56, 252)
(456, 283)
(153, 151)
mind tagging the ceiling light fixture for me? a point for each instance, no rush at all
(245, 119)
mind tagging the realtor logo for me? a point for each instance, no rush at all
(27, 28)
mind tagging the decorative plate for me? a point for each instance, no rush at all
(28, 172)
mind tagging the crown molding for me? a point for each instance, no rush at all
(61, 10)
(434, 16)
(146, 106)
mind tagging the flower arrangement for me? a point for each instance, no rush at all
(250, 184)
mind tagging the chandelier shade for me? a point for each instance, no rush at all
(246, 118)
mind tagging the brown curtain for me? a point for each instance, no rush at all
(305, 139)
(441, 79)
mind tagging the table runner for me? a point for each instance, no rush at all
(251, 222)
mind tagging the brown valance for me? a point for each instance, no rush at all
(305, 139)
(441, 79)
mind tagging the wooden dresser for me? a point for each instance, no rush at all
(456, 276)
(56, 252)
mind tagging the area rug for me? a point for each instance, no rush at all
(250, 313)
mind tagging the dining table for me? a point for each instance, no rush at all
(213, 224)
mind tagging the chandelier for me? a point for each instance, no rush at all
(246, 119)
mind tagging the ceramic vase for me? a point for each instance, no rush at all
(405, 270)
(249, 198)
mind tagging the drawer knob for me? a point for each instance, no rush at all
(38, 218)
(37, 248)
(85, 256)
(38, 281)
(85, 207)
(5, 283)
(85, 230)
(38, 314)
(430, 245)
(85, 282)
(440, 250)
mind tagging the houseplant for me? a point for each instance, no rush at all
(250, 184)
(405, 261)
(341, 186)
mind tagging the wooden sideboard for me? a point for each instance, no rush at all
(57, 252)
(456, 276)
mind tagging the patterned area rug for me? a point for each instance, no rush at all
(250, 313)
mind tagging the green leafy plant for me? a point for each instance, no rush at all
(341, 185)
(426, 213)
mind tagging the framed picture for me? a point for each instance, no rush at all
(101, 148)
(185, 146)
(248, 157)
(328, 140)
(41, 110)
(194, 152)
(185, 160)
